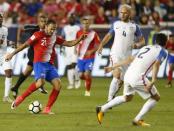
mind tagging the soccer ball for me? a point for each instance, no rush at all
(35, 107)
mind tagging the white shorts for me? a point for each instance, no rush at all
(130, 89)
(114, 59)
(4, 64)
(70, 55)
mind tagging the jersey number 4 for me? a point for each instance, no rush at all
(124, 34)
(144, 52)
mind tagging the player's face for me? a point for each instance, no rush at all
(42, 22)
(51, 28)
(86, 24)
(124, 14)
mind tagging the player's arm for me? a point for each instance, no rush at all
(105, 40)
(20, 48)
(141, 41)
(74, 42)
(155, 69)
(126, 61)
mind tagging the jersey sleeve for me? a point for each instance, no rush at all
(111, 30)
(3, 34)
(162, 55)
(59, 40)
(138, 32)
(63, 33)
(33, 38)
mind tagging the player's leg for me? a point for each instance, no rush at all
(170, 75)
(8, 85)
(127, 96)
(70, 76)
(33, 87)
(53, 77)
(40, 74)
(21, 79)
(7, 67)
(153, 97)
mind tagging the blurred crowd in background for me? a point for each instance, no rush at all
(145, 12)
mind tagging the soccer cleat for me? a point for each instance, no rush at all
(13, 106)
(42, 90)
(87, 93)
(70, 87)
(140, 123)
(77, 84)
(14, 92)
(7, 99)
(168, 85)
(100, 114)
(47, 111)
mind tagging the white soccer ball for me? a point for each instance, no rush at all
(35, 107)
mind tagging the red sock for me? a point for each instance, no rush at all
(170, 75)
(88, 82)
(29, 90)
(52, 98)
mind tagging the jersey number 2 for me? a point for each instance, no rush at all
(141, 54)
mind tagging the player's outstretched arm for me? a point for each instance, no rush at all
(74, 42)
(20, 48)
(105, 40)
(126, 61)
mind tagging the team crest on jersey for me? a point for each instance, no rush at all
(33, 37)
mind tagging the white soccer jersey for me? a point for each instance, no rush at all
(142, 64)
(124, 37)
(69, 32)
(3, 36)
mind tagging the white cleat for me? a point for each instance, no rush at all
(77, 84)
(13, 105)
(87, 93)
(70, 87)
(7, 99)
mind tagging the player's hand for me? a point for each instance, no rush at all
(8, 57)
(148, 87)
(88, 53)
(82, 37)
(108, 69)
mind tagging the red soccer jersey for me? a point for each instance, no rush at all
(44, 46)
(88, 44)
(170, 46)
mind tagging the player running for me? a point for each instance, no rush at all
(125, 33)
(135, 80)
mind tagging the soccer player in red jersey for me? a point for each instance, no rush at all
(86, 53)
(44, 43)
(170, 48)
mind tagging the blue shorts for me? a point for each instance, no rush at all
(85, 65)
(170, 59)
(45, 70)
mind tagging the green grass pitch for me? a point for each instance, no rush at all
(75, 112)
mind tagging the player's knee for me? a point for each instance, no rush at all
(58, 85)
(39, 83)
(128, 98)
(156, 97)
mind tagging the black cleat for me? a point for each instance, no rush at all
(14, 92)
(42, 90)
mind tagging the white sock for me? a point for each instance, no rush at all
(70, 75)
(116, 101)
(146, 108)
(76, 73)
(8, 85)
(113, 88)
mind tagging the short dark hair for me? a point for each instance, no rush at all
(50, 21)
(161, 39)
